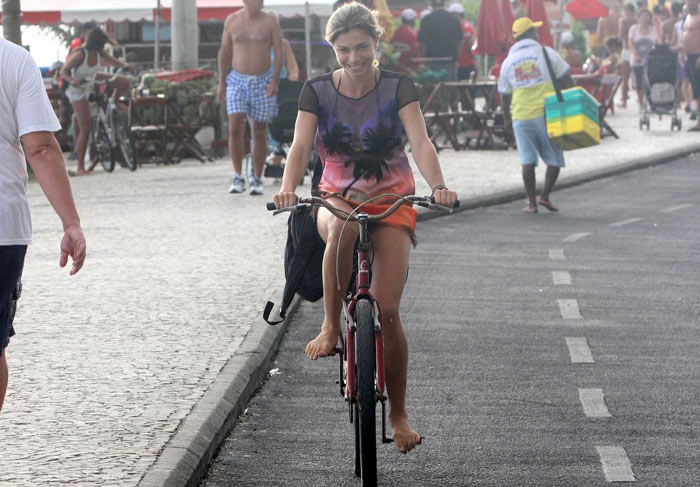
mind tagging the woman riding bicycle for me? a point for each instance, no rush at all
(357, 116)
(81, 70)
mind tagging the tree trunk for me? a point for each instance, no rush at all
(11, 21)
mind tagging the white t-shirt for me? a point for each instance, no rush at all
(525, 76)
(24, 108)
(642, 44)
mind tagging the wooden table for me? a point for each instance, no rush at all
(451, 110)
(184, 127)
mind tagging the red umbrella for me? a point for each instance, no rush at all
(535, 10)
(587, 9)
(490, 31)
(508, 19)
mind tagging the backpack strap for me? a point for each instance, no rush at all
(555, 81)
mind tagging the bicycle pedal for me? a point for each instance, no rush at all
(336, 350)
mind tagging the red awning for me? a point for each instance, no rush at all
(206, 9)
(75, 11)
(587, 9)
(43, 11)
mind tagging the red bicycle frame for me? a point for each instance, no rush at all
(362, 284)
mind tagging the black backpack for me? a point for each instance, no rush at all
(303, 263)
(303, 258)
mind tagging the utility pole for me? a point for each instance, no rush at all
(185, 35)
(11, 21)
(156, 45)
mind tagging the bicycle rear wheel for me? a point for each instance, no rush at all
(125, 140)
(103, 150)
(367, 392)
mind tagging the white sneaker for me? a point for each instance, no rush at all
(256, 186)
(238, 185)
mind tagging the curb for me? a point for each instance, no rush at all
(186, 456)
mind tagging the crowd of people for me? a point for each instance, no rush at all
(634, 30)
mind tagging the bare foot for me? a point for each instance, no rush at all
(530, 209)
(324, 344)
(547, 204)
(404, 437)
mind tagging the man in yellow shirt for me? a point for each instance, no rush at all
(524, 82)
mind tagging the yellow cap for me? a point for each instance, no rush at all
(522, 25)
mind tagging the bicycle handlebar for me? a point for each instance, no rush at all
(424, 201)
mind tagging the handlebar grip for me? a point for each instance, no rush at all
(271, 206)
(456, 205)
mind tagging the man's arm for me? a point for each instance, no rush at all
(279, 57)
(224, 58)
(45, 158)
(291, 61)
(506, 100)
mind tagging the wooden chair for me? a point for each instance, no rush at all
(148, 119)
(607, 89)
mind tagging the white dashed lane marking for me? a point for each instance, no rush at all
(569, 309)
(676, 208)
(579, 351)
(575, 237)
(616, 465)
(561, 278)
(557, 254)
(593, 403)
(625, 222)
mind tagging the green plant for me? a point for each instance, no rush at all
(579, 43)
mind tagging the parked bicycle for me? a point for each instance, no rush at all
(361, 349)
(110, 136)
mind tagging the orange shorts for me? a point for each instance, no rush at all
(404, 217)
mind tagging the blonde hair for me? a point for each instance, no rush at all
(353, 16)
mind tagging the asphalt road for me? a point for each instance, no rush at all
(499, 309)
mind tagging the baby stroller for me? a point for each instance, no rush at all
(281, 128)
(662, 86)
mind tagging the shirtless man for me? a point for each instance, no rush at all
(607, 26)
(249, 84)
(691, 48)
(628, 19)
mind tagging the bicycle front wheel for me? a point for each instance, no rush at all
(103, 150)
(367, 391)
(125, 140)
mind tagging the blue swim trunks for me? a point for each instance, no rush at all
(248, 94)
(533, 143)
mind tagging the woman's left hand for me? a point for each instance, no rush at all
(445, 197)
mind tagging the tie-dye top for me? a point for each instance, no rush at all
(360, 140)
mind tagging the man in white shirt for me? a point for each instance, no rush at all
(524, 82)
(26, 114)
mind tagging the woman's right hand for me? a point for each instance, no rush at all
(75, 82)
(283, 199)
